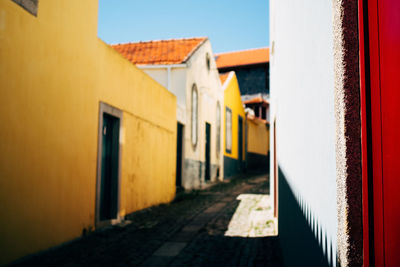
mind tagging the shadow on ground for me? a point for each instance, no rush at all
(194, 225)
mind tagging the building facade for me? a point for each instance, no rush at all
(78, 139)
(234, 127)
(187, 68)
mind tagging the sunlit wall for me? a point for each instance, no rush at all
(302, 103)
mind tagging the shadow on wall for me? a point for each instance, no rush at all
(303, 241)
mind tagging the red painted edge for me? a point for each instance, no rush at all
(364, 146)
(376, 132)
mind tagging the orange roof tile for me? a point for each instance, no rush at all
(241, 58)
(223, 77)
(174, 51)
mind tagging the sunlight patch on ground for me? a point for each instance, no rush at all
(253, 217)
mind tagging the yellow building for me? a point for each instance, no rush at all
(257, 144)
(78, 138)
(234, 126)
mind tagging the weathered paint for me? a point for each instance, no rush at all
(233, 101)
(54, 72)
(180, 79)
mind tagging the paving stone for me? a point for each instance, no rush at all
(170, 249)
(187, 232)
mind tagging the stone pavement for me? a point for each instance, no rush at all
(229, 224)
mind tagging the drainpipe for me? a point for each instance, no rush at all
(169, 78)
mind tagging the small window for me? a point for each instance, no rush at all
(264, 113)
(208, 61)
(194, 118)
(257, 111)
(218, 124)
(29, 5)
(228, 128)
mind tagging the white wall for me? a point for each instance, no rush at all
(210, 91)
(302, 101)
(176, 84)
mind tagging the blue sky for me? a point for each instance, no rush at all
(230, 24)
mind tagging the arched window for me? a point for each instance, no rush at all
(228, 130)
(218, 124)
(208, 61)
(194, 117)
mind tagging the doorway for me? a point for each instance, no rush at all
(208, 148)
(179, 155)
(108, 171)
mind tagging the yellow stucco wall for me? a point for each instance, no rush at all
(258, 137)
(54, 72)
(233, 101)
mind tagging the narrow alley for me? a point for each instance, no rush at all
(228, 224)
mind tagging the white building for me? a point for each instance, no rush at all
(186, 67)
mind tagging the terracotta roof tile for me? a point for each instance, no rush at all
(174, 51)
(241, 58)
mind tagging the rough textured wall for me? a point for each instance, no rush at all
(348, 132)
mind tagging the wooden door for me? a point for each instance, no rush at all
(109, 168)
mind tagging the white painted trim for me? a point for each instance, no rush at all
(161, 66)
(228, 80)
(195, 49)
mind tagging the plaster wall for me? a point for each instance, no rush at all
(233, 101)
(177, 85)
(54, 73)
(209, 93)
(258, 137)
(302, 103)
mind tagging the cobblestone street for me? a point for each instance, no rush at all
(229, 224)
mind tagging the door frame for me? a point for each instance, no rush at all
(371, 134)
(110, 110)
(182, 140)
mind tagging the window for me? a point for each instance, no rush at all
(218, 124)
(264, 113)
(208, 61)
(195, 114)
(29, 5)
(228, 132)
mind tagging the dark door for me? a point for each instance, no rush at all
(208, 148)
(240, 143)
(179, 147)
(109, 168)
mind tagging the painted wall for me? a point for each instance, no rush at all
(257, 145)
(233, 101)
(54, 72)
(209, 93)
(182, 78)
(176, 84)
(258, 137)
(302, 102)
